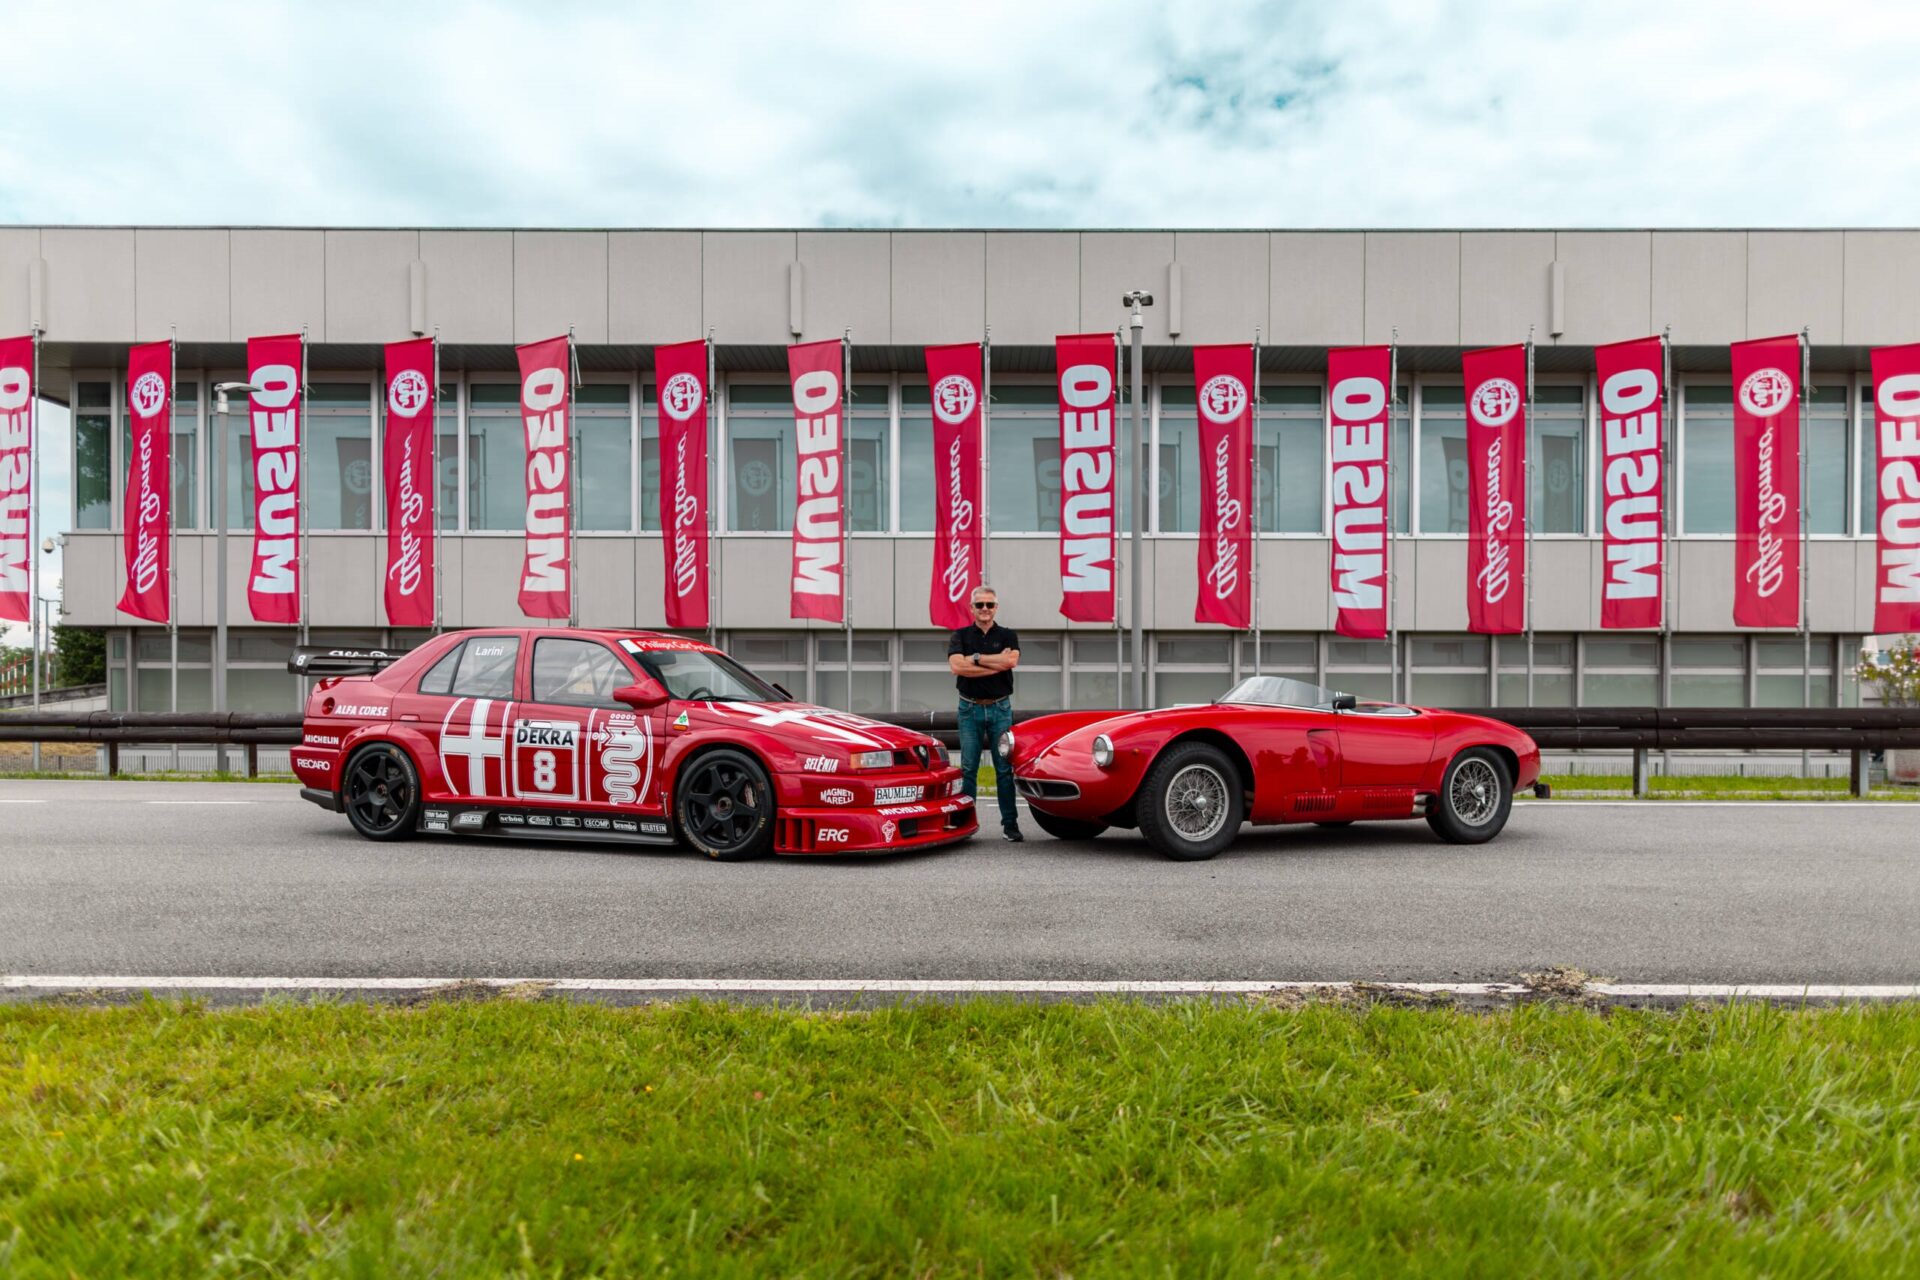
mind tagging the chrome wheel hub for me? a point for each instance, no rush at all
(1474, 793)
(1197, 803)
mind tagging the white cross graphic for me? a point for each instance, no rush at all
(476, 745)
(815, 720)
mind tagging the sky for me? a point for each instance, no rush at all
(1049, 113)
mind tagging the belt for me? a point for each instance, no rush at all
(985, 702)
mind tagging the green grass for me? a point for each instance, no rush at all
(511, 1138)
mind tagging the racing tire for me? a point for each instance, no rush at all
(724, 805)
(1476, 796)
(380, 791)
(1190, 805)
(1066, 828)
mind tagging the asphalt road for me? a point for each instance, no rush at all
(248, 880)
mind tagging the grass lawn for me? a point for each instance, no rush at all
(551, 1138)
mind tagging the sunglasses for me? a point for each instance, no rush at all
(984, 605)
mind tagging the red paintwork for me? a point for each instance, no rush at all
(1306, 765)
(622, 750)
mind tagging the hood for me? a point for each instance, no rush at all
(803, 723)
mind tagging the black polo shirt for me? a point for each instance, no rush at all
(971, 641)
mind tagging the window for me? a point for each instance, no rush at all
(1782, 680)
(867, 465)
(1711, 671)
(1706, 459)
(486, 668)
(1025, 465)
(1449, 670)
(93, 455)
(1828, 431)
(496, 457)
(153, 680)
(1294, 656)
(1292, 464)
(582, 673)
(1360, 667)
(446, 414)
(602, 437)
(257, 675)
(1552, 670)
(439, 678)
(1622, 671)
(916, 461)
(760, 457)
(1443, 460)
(872, 671)
(339, 456)
(603, 419)
(778, 657)
(650, 460)
(1096, 682)
(1191, 668)
(1560, 467)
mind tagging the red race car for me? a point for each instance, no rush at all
(1271, 750)
(627, 736)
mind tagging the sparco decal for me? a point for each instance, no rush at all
(682, 370)
(1766, 482)
(817, 586)
(149, 490)
(1357, 447)
(1496, 501)
(1631, 400)
(1087, 467)
(16, 477)
(1225, 376)
(545, 402)
(1896, 433)
(273, 585)
(954, 378)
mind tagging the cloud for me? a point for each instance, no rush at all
(990, 114)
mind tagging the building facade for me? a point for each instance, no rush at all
(94, 291)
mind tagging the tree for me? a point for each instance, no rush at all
(1899, 676)
(79, 655)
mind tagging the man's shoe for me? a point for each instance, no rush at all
(1012, 834)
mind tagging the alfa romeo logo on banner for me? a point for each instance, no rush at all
(407, 393)
(1223, 399)
(149, 393)
(680, 396)
(1765, 392)
(954, 399)
(1495, 403)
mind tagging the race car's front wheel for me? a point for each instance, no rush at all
(1067, 828)
(725, 805)
(1476, 795)
(381, 793)
(1190, 805)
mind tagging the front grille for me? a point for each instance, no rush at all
(1046, 789)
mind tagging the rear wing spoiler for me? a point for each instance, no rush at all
(324, 660)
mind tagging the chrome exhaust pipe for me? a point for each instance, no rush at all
(1420, 803)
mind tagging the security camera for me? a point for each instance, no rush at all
(1136, 297)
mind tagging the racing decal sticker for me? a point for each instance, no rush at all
(820, 764)
(836, 795)
(833, 835)
(321, 740)
(623, 746)
(895, 795)
(479, 743)
(681, 722)
(835, 726)
(546, 759)
(886, 831)
(626, 825)
(308, 762)
(904, 810)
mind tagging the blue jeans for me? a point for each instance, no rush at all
(984, 725)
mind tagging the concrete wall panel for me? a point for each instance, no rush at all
(1609, 286)
(608, 564)
(939, 284)
(1566, 589)
(1224, 285)
(1881, 288)
(368, 295)
(180, 279)
(1700, 285)
(279, 282)
(1114, 262)
(469, 284)
(19, 248)
(653, 283)
(744, 284)
(1439, 570)
(490, 582)
(1794, 278)
(559, 280)
(1702, 591)
(1317, 287)
(1294, 594)
(347, 572)
(1413, 283)
(849, 285)
(1033, 286)
(649, 583)
(1504, 286)
(90, 280)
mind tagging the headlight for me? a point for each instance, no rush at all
(872, 759)
(1102, 750)
(1006, 745)
(939, 756)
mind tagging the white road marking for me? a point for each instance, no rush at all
(948, 986)
(6, 800)
(199, 802)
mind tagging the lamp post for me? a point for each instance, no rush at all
(40, 633)
(1137, 298)
(221, 390)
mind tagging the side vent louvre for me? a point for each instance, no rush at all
(1312, 804)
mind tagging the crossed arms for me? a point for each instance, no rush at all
(984, 664)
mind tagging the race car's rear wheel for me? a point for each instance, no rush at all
(1190, 805)
(725, 805)
(1067, 828)
(381, 793)
(1476, 795)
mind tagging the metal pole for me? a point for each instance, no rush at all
(846, 508)
(573, 484)
(1806, 544)
(986, 455)
(220, 577)
(1531, 567)
(35, 631)
(303, 523)
(712, 429)
(1393, 412)
(173, 546)
(1138, 325)
(1255, 514)
(439, 562)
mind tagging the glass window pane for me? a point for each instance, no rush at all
(1827, 460)
(578, 672)
(1723, 690)
(769, 648)
(446, 414)
(1622, 690)
(927, 691)
(1293, 453)
(1706, 460)
(831, 646)
(1710, 651)
(1559, 474)
(1374, 686)
(650, 460)
(1211, 651)
(760, 456)
(239, 464)
(1024, 467)
(916, 463)
(1174, 687)
(1622, 651)
(1452, 651)
(92, 462)
(1550, 689)
(273, 647)
(869, 689)
(606, 472)
(1452, 690)
(262, 689)
(1291, 653)
(1039, 650)
(1178, 474)
(439, 678)
(1097, 688)
(1443, 460)
(926, 650)
(486, 667)
(1786, 691)
(1548, 651)
(496, 458)
(1344, 652)
(867, 465)
(1789, 654)
(340, 456)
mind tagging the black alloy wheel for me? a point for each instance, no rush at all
(725, 805)
(1066, 828)
(381, 793)
(1476, 796)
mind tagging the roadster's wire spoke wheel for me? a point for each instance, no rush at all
(1475, 798)
(1197, 802)
(1474, 792)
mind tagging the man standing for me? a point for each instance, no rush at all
(982, 658)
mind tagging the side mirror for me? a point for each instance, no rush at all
(1345, 702)
(642, 695)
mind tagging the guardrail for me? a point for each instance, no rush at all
(1640, 730)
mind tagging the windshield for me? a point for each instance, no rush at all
(1278, 691)
(694, 676)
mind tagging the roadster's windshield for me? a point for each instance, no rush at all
(1278, 691)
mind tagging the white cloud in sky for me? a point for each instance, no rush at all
(992, 114)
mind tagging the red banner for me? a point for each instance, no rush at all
(1496, 379)
(820, 514)
(1223, 392)
(1359, 450)
(681, 375)
(546, 400)
(1632, 457)
(407, 452)
(147, 509)
(274, 365)
(1766, 482)
(1896, 435)
(953, 385)
(1088, 468)
(16, 478)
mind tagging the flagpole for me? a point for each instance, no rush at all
(433, 427)
(711, 429)
(986, 455)
(1666, 515)
(1529, 497)
(1806, 544)
(846, 503)
(1393, 412)
(173, 542)
(302, 522)
(1254, 521)
(34, 619)
(1119, 596)
(573, 483)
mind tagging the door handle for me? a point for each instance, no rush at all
(409, 717)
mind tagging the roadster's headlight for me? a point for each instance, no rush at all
(1102, 750)
(1006, 745)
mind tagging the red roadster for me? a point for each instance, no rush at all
(1271, 750)
(627, 736)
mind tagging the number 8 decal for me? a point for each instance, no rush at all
(546, 770)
